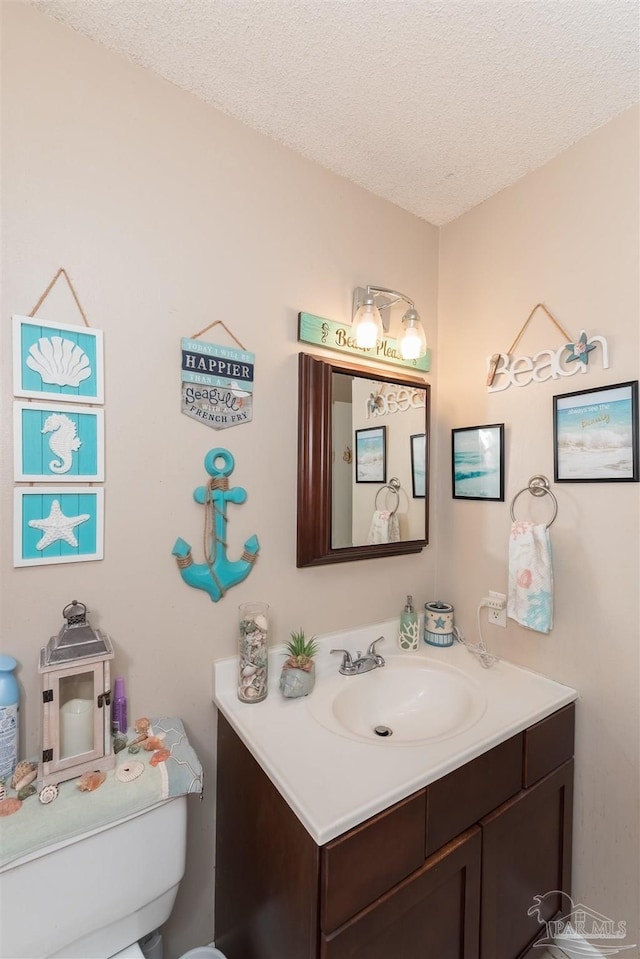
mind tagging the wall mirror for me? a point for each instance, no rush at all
(363, 462)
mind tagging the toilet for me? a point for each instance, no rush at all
(96, 895)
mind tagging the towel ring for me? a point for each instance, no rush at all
(392, 486)
(538, 486)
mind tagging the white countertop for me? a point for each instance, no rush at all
(333, 783)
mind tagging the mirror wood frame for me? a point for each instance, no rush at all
(315, 393)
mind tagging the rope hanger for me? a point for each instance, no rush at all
(61, 272)
(225, 327)
(496, 356)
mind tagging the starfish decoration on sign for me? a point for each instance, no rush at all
(56, 526)
(580, 349)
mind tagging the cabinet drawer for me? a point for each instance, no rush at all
(548, 744)
(365, 863)
(467, 794)
(434, 912)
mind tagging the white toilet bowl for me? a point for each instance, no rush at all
(130, 952)
(93, 896)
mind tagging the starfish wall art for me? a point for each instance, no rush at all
(58, 526)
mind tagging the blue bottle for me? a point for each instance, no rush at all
(9, 710)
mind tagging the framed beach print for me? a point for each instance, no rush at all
(371, 455)
(57, 525)
(58, 443)
(595, 435)
(55, 361)
(477, 462)
(419, 465)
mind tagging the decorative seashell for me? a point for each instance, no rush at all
(59, 361)
(160, 756)
(139, 739)
(88, 782)
(9, 806)
(26, 791)
(48, 793)
(261, 623)
(24, 773)
(249, 670)
(142, 725)
(127, 772)
(152, 743)
(134, 748)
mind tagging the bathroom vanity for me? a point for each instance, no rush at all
(332, 848)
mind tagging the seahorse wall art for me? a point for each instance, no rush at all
(217, 574)
(63, 442)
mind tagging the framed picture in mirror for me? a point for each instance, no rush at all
(419, 465)
(371, 455)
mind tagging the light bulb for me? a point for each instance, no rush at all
(413, 342)
(367, 325)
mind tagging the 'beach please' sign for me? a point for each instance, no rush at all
(217, 384)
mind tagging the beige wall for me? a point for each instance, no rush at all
(168, 216)
(566, 235)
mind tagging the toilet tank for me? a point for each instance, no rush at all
(90, 897)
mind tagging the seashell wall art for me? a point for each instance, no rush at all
(57, 361)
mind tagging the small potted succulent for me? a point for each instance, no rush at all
(299, 671)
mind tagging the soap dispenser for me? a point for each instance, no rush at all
(408, 637)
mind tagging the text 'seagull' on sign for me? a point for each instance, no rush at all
(217, 384)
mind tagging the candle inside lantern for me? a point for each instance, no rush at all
(76, 727)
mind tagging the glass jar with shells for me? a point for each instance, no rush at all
(253, 659)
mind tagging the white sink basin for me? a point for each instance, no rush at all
(407, 702)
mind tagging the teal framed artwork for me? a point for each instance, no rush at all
(55, 361)
(58, 525)
(58, 443)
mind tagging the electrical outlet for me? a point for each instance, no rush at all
(497, 608)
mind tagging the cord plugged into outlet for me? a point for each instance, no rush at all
(496, 604)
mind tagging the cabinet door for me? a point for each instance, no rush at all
(266, 863)
(433, 914)
(526, 851)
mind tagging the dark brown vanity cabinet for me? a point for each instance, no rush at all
(447, 873)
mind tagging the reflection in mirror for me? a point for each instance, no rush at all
(362, 462)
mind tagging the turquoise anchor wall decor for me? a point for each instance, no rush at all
(217, 574)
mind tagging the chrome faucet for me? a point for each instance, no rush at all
(361, 664)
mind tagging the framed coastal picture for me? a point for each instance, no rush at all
(371, 455)
(477, 462)
(595, 435)
(57, 525)
(419, 465)
(58, 443)
(56, 361)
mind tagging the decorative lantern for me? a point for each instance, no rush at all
(76, 695)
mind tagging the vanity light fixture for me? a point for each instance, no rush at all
(371, 309)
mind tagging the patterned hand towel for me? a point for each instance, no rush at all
(530, 600)
(384, 527)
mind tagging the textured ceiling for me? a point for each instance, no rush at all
(433, 104)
